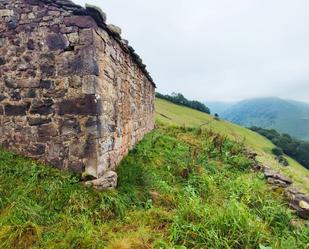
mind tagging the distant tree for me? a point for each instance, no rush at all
(178, 98)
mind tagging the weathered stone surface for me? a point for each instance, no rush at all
(2, 97)
(21, 83)
(37, 149)
(38, 121)
(299, 202)
(107, 181)
(16, 110)
(70, 126)
(30, 44)
(2, 61)
(42, 107)
(57, 41)
(48, 70)
(47, 131)
(82, 64)
(86, 105)
(77, 167)
(6, 12)
(276, 178)
(46, 83)
(80, 21)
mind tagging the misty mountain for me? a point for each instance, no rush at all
(286, 116)
(218, 106)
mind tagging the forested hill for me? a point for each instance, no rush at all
(272, 113)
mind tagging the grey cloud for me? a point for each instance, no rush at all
(219, 49)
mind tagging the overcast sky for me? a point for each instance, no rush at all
(219, 49)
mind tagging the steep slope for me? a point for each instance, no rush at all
(283, 115)
(180, 187)
(174, 114)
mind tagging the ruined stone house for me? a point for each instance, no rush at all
(73, 93)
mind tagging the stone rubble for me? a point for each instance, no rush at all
(297, 200)
(105, 182)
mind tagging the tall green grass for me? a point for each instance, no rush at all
(179, 188)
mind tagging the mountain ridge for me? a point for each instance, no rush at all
(286, 116)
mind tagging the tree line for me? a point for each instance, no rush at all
(295, 148)
(178, 98)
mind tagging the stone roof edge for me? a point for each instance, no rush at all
(100, 18)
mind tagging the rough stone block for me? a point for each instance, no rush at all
(84, 63)
(86, 105)
(37, 149)
(80, 21)
(5, 12)
(42, 107)
(47, 131)
(2, 61)
(38, 121)
(107, 181)
(70, 126)
(77, 167)
(46, 83)
(57, 42)
(48, 70)
(16, 110)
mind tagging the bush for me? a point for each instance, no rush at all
(282, 161)
(277, 151)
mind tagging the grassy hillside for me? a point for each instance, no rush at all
(175, 114)
(283, 115)
(181, 187)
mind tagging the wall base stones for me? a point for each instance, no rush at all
(105, 182)
(73, 94)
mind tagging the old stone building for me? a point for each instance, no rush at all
(73, 94)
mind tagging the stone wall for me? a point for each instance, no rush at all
(73, 94)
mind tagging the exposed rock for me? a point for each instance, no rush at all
(276, 178)
(114, 29)
(107, 181)
(299, 202)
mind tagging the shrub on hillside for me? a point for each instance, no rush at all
(277, 151)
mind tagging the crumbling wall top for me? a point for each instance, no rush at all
(100, 18)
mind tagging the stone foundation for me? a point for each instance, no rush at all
(73, 94)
